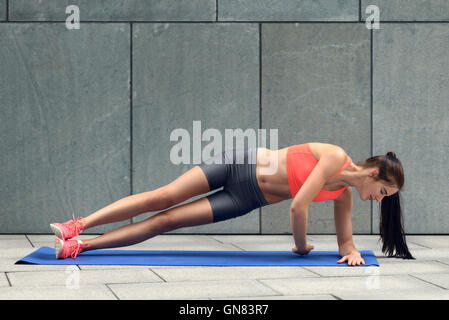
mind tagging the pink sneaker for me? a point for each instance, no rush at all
(68, 248)
(68, 229)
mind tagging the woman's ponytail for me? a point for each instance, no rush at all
(392, 229)
(391, 222)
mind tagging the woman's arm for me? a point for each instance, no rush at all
(343, 226)
(328, 165)
(298, 219)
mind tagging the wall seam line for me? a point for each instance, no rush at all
(260, 105)
(131, 111)
(371, 116)
(360, 10)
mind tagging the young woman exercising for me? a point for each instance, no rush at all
(309, 172)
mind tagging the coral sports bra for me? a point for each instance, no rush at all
(300, 163)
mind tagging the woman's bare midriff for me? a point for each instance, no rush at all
(274, 185)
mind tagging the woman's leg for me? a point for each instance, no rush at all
(190, 214)
(191, 183)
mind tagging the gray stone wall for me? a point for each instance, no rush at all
(86, 114)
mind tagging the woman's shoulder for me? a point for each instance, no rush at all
(319, 148)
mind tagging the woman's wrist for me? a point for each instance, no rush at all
(299, 227)
(346, 250)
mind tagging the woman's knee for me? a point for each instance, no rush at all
(165, 221)
(195, 213)
(159, 199)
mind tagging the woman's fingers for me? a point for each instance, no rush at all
(357, 262)
(351, 261)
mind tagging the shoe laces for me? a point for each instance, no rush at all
(77, 224)
(79, 246)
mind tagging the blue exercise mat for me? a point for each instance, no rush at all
(46, 255)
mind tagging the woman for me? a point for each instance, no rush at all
(309, 172)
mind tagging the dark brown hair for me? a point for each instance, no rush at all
(391, 224)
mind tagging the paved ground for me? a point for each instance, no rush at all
(427, 277)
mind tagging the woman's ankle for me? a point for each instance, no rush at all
(85, 223)
(86, 245)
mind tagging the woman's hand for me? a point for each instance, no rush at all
(303, 251)
(354, 258)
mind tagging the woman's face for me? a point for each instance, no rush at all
(375, 190)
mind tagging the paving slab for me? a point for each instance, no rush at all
(355, 237)
(256, 242)
(438, 279)
(386, 267)
(15, 252)
(181, 242)
(12, 236)
(360, 242)
(430, 241)
(99, 292)
(15, 243)
(3, 280)
(336, 285)
(8, 257)
(444, 260)
(430, 254)
(230, 273)
(320, 242)
(401, 294)
(427, 277)
(192, 290)
(111, 267)
(82, 277)
(200, 243)
(7, 265)
(251, 238)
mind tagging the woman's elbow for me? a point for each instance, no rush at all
(297, 209)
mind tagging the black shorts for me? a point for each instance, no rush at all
(237, 175)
